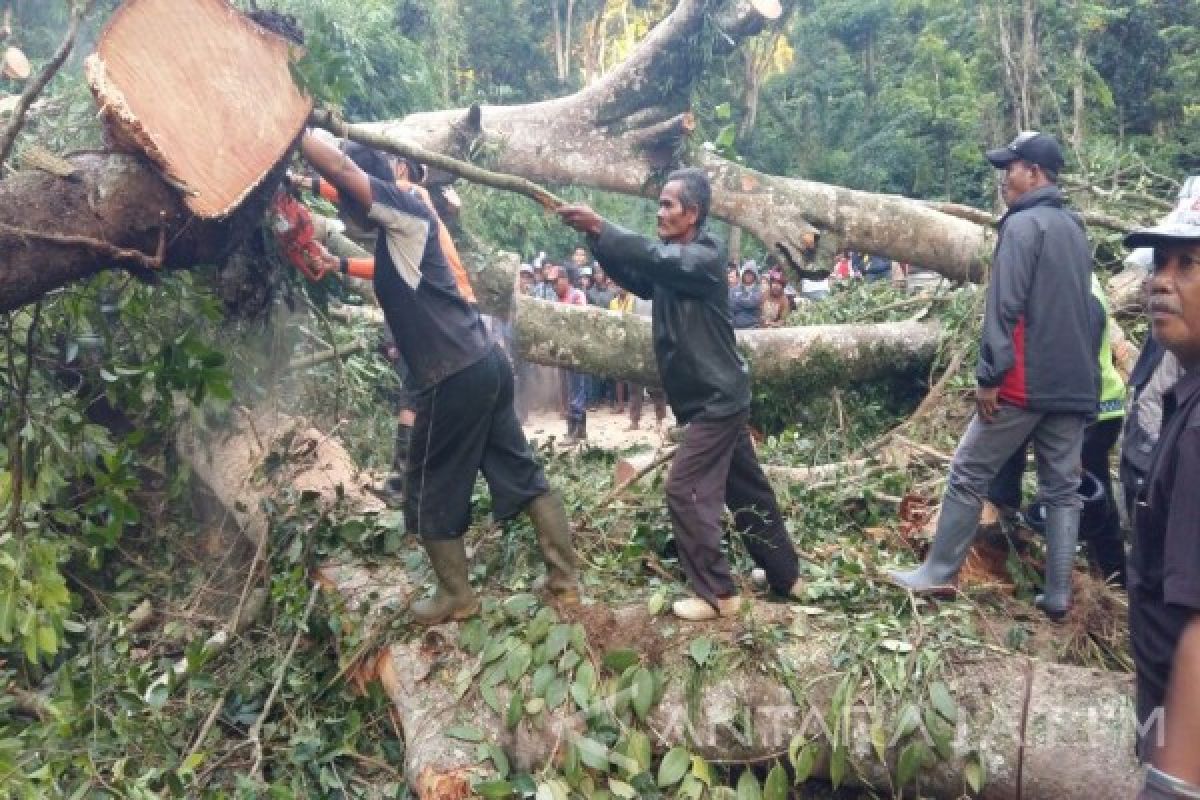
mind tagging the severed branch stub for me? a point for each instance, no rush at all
(497, 180)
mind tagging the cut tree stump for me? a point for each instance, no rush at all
(203, 91)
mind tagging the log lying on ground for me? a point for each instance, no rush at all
(1077, 724)
(216, 109)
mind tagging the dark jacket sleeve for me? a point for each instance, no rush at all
(1012, 275)
(637, 262)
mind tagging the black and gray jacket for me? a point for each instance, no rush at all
(701, 368)
(1041, 330)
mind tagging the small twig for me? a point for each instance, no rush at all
(256, 730)
(497, 180)
(102, 247)
(9, 136)
(213, 713)
(332, 354)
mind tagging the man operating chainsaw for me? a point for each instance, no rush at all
(465, 419)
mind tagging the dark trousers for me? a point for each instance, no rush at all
(465, 425)
(716, 466)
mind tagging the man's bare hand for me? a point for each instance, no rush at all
(582, 218)
(987, 402)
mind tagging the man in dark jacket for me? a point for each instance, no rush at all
(1037, 373)
(708, 387)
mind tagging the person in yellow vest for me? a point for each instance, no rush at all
(1100, 521)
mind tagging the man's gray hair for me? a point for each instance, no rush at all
(695, 191)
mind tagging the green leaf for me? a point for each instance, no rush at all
(643, 692)
(622, 789)
(557, 640)
(909, 763)
(673, 767)
(488, 693)
(747, 786)
(700, 650)
(556, 693)
(776, 786)
(723, 111)
(805, 761)
(879, 741)
(500, 759)
(516, 709)
(620, 659)
(542, 677)
(910, 718)
(943, 702)
(837, 765)
(465, 733)
(497, 647)
(703, 771)
(592, 753)
(518, 662)
(494, 789)
(975, 773)
(639, 750)
(657, 602)
(518, 605)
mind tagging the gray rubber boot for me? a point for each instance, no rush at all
(549, 518)
(454, 598)
(957, 524)
(1062, 533)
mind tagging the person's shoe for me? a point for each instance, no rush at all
(696, 609)
(454, 599)
(1062, 533)
(549, 518)
(957, 522)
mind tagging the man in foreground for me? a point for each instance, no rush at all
(1164, 565)
(708, 387)
(1037, 373)
(465, 420)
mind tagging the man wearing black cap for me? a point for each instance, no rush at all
(465, 421)
(1164, 565)
(1037, 373)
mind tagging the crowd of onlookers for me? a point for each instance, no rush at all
(758, 298)
(579, 281)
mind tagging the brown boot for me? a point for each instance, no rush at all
(549, 518)
(454, 598)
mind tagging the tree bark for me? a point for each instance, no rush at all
(115, 200)
(1077, 723)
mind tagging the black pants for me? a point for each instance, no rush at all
(465, 424)
(716, 466)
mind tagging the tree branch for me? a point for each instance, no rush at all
(9, 136)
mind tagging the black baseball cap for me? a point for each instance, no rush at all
(1032, 146)
(371, 161)
(1159, 235)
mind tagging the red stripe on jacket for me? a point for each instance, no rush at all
(1014, 389)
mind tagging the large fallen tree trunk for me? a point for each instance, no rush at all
(1037, 730)
(615, 345)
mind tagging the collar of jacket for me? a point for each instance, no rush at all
(1049, 195)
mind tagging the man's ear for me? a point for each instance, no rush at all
(692, 215)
